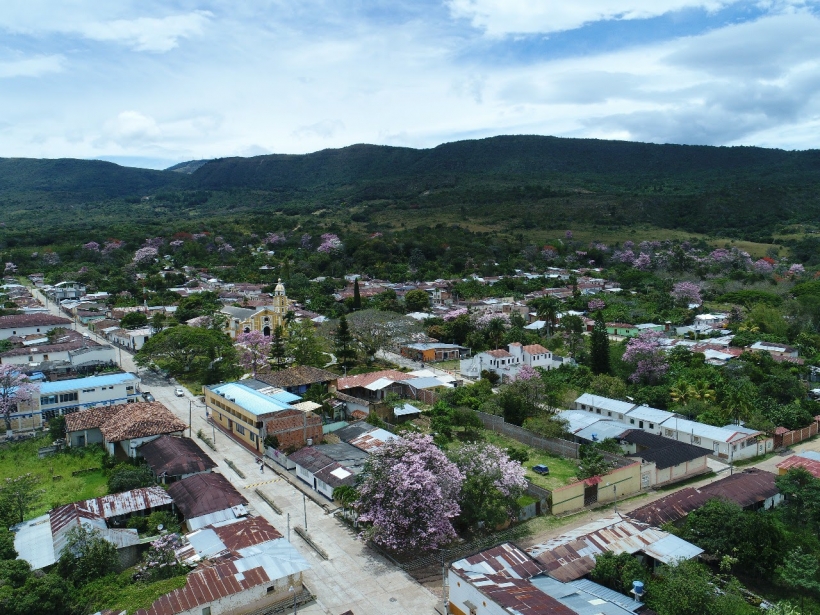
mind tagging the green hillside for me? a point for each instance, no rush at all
(507, 183)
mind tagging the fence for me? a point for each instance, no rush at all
(556, 446)
(788, 438)
(542, 504)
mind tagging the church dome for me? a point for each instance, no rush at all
(280, 288)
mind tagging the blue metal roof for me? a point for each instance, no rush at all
(86, 383)
(253, 401)
(285, 397)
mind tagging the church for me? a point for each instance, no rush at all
(264, 319)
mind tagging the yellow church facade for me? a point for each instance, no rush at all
(264, 319)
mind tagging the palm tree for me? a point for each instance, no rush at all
(546, 309)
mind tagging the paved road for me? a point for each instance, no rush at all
(353, 578)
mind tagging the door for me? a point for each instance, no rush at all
(230, 425)
(590, 494)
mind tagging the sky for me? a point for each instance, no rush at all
(155, 82)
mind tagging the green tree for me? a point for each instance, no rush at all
(56, 427)
(190, 352)
(134, 320)
(39, 595)
(546, 309)
(303, 346)
(157, 322)
(416, 300)
(278, 349)
(197, 304)
(799, 572)
(7, 551)
(343, 343)
(802, 493)
(126, 477)
(18, 496)
(357, 298)
(684, 589)
(87, 556)
(593, 463)
(599, 346)
(618, 571)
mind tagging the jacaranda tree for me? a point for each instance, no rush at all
(492, 485)
(409, 495)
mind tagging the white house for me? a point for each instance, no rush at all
(636, 416)
(21, 325)
(66, 396)
(133, 340)
(731, 442)
(507, 363)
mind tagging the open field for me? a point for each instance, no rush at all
(21, 457)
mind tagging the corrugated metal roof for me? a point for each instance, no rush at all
(718, 434)
(506, 560)
(203, 494)
(34, 543)
(599, 591)
(428, 383)
(601, 430)
(128, 502)
(647, 413)
(248, 399)
(373, 440)
(406, 409)
(577, 600)
(195, 523)
(605, 403)
(670, 549)
(87, 383)
(578, 419)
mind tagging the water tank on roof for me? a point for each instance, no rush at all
(637, 589)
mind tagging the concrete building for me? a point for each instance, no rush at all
(21, 325)
(733, 442)
(507, 363)
(251, 410)
(264, 319)
(66, 396)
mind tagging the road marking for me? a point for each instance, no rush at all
(275, 480)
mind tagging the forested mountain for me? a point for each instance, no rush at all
(507, 183)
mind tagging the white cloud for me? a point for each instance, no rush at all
(324, 129)
(148, 33)
(503, 17)
(31, 67)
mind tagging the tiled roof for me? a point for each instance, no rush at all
(499, 354)
(174, 456)
(93, 418)
(297, 376)
(203, 494)
(362, 380)
(32, 320)
(535, 349)
(140, 420)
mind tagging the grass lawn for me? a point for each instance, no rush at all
(119, 593)
(453, 365)
(21, 457)
(562, 470)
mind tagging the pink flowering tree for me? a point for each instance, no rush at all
(492, 485)
(453, 314)
(643, 262)
(254, 349)
(93, 246)
(154, 242)
(161, 560)
(111, 246)
(796, 270)
(330, 243)
(408, 495)
(595, 305)
(15, 388)
(527, 372)
(763, 266)
(176, 244)
(274, 239)
(51, 258)
(686, 293)
(645, 354)
(306, 241)
(145, 255)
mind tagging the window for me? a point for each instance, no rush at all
(206, 610)
(669, 433)
(640, 424)
(253, 436)
(631, 421)
(89, 390)
(598, 410)
(651, 425)
(64, 397)
(695, 439)
(45, 357)
(240, 430)
(48, 399)
(271, 589)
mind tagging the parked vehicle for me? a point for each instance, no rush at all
(179, 392)
(541, 469)
(146, 395)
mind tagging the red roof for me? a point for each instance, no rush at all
(499, 354)
(246, 533)
(535, 349)
(362, 380)
(796, 461)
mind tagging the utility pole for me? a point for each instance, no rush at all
(304, 504)
(288, 527)
(190, 418)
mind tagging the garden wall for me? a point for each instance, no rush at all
(788, 438)
(556, 446)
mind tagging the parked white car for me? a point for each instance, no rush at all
(179, 392)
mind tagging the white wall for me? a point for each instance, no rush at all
(22, 331)
(461, 591)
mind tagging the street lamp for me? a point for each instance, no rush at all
(292, 590)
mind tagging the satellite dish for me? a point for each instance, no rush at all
(160, 527)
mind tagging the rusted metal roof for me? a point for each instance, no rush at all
(746, 488)
(513, 595)
(796, 461)
(671, 508)
(128, 502)
(175, 456)
(246, 533)
(202, 494)
(506, 560)
(206, 585)
(572, 555)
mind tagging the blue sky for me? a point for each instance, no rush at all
(151, 83)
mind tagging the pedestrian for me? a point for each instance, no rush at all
(262, 468)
